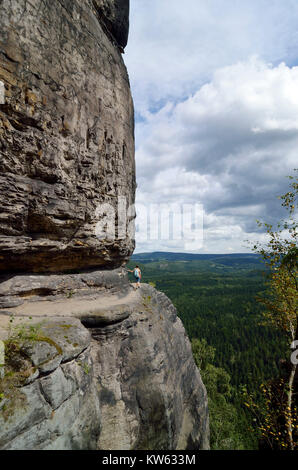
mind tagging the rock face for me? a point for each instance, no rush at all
(128, 382)
(114, 15)
(66, 135)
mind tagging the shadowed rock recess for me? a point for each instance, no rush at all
(90, 362)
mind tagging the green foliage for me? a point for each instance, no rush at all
(20, 334)
(203, 353)
(216, 300)
(218, 381)
(271, 415)
(278, 413)
(227, 425)
(17, 366)
(280, 255)
(221, 308)
(85, 366)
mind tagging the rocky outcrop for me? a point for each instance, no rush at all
(66, 136)
(118, 382)
(114, 15)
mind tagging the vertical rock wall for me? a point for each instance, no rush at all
(66, 134)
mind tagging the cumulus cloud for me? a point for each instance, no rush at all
(174, 47)
(228, 147)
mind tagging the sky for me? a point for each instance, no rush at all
(215, 90)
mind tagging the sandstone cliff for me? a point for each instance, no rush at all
(124, 380)
(90, 363)
(66, 133)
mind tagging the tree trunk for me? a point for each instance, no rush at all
(289, 411)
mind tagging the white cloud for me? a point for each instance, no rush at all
(229, 146)
(174, 47)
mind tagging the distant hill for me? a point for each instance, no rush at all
(170, 256)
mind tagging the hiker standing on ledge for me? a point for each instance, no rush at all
(137, 274)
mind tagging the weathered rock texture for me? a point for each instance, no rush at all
(66, 134)
(128, 382)
(114, 16)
